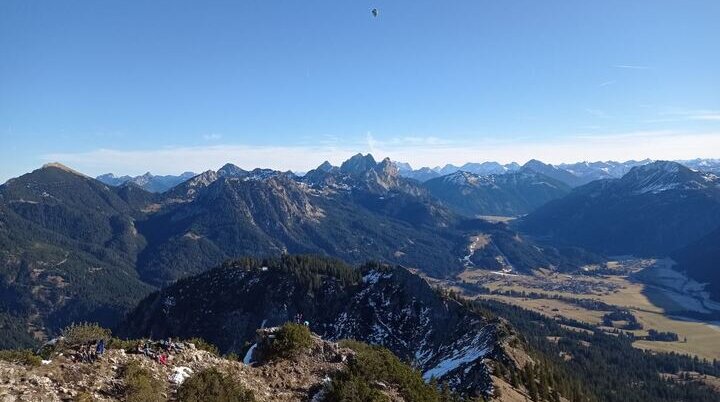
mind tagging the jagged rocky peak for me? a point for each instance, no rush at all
(383, 176)
(358, 164)
(230, 170)
(204, 178)
(189, 188)
(143, 179)
(360, 171)
(387, 167)
(325, 167)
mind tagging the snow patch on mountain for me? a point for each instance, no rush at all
(457, 360)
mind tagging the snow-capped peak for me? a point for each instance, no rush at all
(660, 176)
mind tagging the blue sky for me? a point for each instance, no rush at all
(168, 86)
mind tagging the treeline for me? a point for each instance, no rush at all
(654, 335)
(589, 304)
(309, 269)
(543, 381)
(631, 323)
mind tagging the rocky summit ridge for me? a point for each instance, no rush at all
(63, 379)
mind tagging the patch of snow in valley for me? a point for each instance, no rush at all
(687, 302)
(687, 293)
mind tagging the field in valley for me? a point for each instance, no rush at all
(655, 295)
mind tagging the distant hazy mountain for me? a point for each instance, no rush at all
(148, 181)
(580, 172)
(651, 211)
(447, 169)
(703, 165)
(590, 171)
(484, 168)
(403, 167)
(421, 175)
(553, 172)
(487, 168)
(507, 194)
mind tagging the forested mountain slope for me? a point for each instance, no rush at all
(506, 194)
(651, 211)
(67, 253)
(378, 304)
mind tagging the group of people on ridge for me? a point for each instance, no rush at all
(159, 350)
(90, 351)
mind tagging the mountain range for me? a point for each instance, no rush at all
(76, 249)
(216, 255)
(147, 181)
(508, 194)
(652, 210)
(573, 174)
(579, 172)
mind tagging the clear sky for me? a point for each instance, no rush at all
(167, 86)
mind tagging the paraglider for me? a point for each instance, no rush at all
(375, 12)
